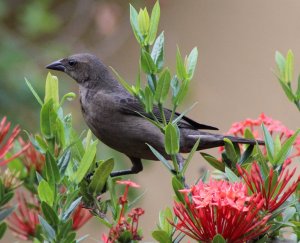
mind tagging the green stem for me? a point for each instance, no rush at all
(162, 114)
(175, 163)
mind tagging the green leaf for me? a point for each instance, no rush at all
(48, 119)
(171, 139)
(37, 97)
(246, 155)
(143, 21)
(45, 192)
(6, 198)
(190, 156)
(155, 15)
(163, 86)
(85, 163)
(52, 172)
(3, 228)
(51, 90)
(135, 25)
(160, 157)
(157, 53)
(100, 176)
(192, 62)
(230, 151)
(289, 67)
(63, 161)
(182, 114)
(214, 162)
(177, 185)
(181, 93)
(66, 214)
(148, 101)
(269, 144)
(281, 156)
(123, 82)
(180, 68)
(175, 88)
(147, 63)
(69, 96)
(49, 214)
(287, 90)
(218, 239)
(280, 61)
(161, 236)
(48, 230)
(232, 177)
(164, 217)
(6, 212)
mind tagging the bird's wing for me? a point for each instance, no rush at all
(132, 106)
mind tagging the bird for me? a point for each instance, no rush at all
(119, 120)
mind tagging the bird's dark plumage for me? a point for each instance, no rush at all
(116, 117)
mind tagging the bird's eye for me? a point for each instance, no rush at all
(72, 63)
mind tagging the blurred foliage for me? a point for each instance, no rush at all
(37, 31)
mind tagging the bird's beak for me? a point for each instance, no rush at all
(57, 65)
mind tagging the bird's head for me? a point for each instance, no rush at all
(82, 67)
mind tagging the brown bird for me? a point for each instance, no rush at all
(112, 114)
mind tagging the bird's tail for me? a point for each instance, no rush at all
(208, 140)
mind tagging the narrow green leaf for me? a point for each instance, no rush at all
(6, 197)
(48, 230)
(37, 97)
(287, 90)
(171, 139)
(52, 172)
(69, 96)
(230, 151)
(286, 148)
(3, 228)
(175, 88)
(143, 22)
(161, 236)
(180, 68)
(49, 214)
(63, 161)
(269, 144)
(148, 100)
(192, 62)
(147, 63)
(246, 155)
(45, 192)
(135, 25)
(51, 90)
(232, 177)
(66, 214)
(100, 176)
(155, 15)
(160, 157)
(6, 212)
(177, 185)
(280, 61)
(182, 114)
(85, 163)
(164, 217)
(190, 156)
(157, 53)
(123, 82)
(289, 67)
(163, 86)
(182, 92)
(48, 119)
(218, 239)
(214, 162)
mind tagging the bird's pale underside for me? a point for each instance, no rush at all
(113, 115)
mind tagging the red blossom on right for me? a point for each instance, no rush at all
(275, 193)
(220, 207)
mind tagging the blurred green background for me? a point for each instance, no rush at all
(236, 40)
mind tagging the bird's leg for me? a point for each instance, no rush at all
(137, 167)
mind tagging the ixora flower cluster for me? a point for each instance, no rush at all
(220, 207)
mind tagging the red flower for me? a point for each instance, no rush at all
(274, 195)
(24, 221)
(273, 126)
(80, 216)
(7, 143)
(32, 158)
(131, 223)
(220, 207)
